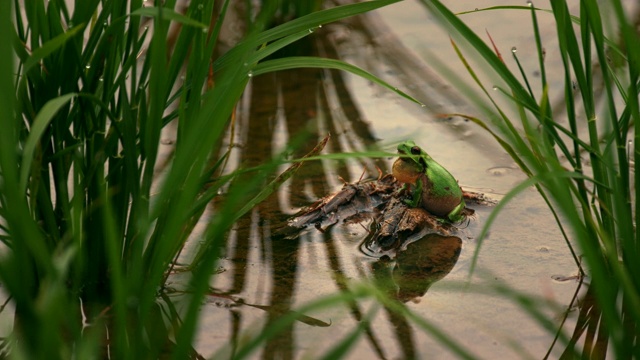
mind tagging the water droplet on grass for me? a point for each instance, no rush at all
(514, 49)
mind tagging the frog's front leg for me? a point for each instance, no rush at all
(456, 214)
(416, 197)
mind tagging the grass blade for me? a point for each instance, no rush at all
(42, 120)
(313, 62)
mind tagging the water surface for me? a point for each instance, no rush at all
(262, 276)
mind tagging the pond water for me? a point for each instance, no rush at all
(262, 276)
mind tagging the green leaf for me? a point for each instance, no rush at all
(341, 349)
(168, 14)
(314, 62)
(303, 23)
(49, 47)
(40, 124)
(273, 185)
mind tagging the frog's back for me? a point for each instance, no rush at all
(441, 192)
(444, 183)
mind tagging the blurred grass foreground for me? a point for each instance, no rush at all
(93, 218)
(90, 228)
(579, 148)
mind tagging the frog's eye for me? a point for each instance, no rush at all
(415, 150)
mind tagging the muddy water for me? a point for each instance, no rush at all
(262, 275)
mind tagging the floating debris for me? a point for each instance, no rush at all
(394, 224)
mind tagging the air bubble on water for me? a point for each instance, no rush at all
(514, 50)
(477, 9)
(423, 105)
(495, 88)
(499, 170)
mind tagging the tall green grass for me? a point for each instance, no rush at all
(582, 155)
(89, 227)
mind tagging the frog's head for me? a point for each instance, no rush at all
(414, 153)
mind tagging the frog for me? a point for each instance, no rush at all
(434, 188)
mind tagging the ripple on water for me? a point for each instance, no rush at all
(499, 170)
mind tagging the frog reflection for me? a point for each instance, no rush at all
(417, 266)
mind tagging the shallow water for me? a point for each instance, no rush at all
(262, 276)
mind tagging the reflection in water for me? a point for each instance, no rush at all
(409, 277)
(294, 103)
(423, 263)
(261, 270)
(280, 108)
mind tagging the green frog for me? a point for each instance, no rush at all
(435, 189)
